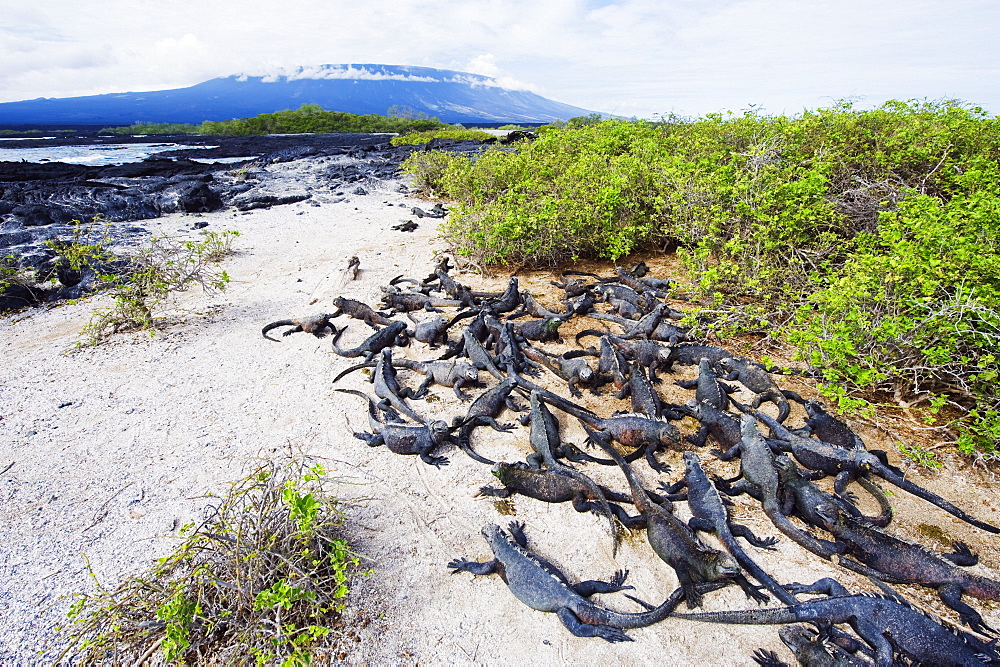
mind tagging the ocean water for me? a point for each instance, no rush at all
(97, 155)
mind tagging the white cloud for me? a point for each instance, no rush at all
(625, 56)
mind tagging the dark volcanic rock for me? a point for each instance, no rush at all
(40, 202)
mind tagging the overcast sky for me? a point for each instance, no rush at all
(630, 57)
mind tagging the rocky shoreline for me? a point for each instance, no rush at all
(40, 202)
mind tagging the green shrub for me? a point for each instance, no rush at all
(867, 238)
(264, 579)
(141, 283)
(413, 138)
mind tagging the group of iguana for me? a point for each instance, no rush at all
(779, 470)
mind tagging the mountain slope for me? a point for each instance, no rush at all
(451, 96)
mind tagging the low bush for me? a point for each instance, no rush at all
(867, 238)
(263, 580)
(414, 138)
(140, 283)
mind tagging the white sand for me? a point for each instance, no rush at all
(114, 447)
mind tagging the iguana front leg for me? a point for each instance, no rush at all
(739, 530)
(370, 439)
(588, 588)
(475, 567)
(581, 629)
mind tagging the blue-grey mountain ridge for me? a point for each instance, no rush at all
(451, 96)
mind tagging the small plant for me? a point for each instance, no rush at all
(266, 578)
(142, 282)
(920, 455)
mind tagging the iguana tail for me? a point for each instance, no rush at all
(275, 325)
(368, 364)
(776, 616)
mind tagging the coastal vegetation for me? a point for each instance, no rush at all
(867, 239)
(455, 134)
(309, 118)
(263, 580)
(139, 284)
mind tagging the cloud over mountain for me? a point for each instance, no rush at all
(449, 95)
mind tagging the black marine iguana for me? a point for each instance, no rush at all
(550, 486)
(401, 438)
(759, 381)
(394, 334)
(359, 311)
(573, 370)
(811, 649)
(709, 515)
(849, 464)
(314, 325)
(673, 541)
(887, 625)
(800, 496)
(637, 431)
(483, 412)
(455, 374)
(540, 585)
(901, 562)
(708, 387)
(760, 480)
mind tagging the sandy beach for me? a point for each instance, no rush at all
(113, 448)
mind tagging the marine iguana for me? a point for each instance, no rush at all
(800, 496)
(644, 397)
(350, 272)
(901, 562)
(759, 478)
(885, 624)
(540, 585)
(478, 355)
(359, 311)
(430, 331)
(400, 302)
(721, 425)
(531, 306)
(811, 649)
(849, 464)
(454, 289)
(314, 325)
(709, 515)
(828, 428)
(637, 431)
(673, 541)
(573, 370)
(394, 334)
(646, 353)
(688, 354)
(545, 441)
(759, 381)
(550, 486)
(483, 412)
(401, 438)
(508, 301)
(708, 388)
(387, 387)
(455, 374)
(572, 287)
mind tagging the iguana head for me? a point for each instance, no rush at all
(786, 467)
(466, 371)
(691, 461)
(722, 566)
(668, 434)
(829, 514)
(814, 409)
(493, 534)
(439, 430)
